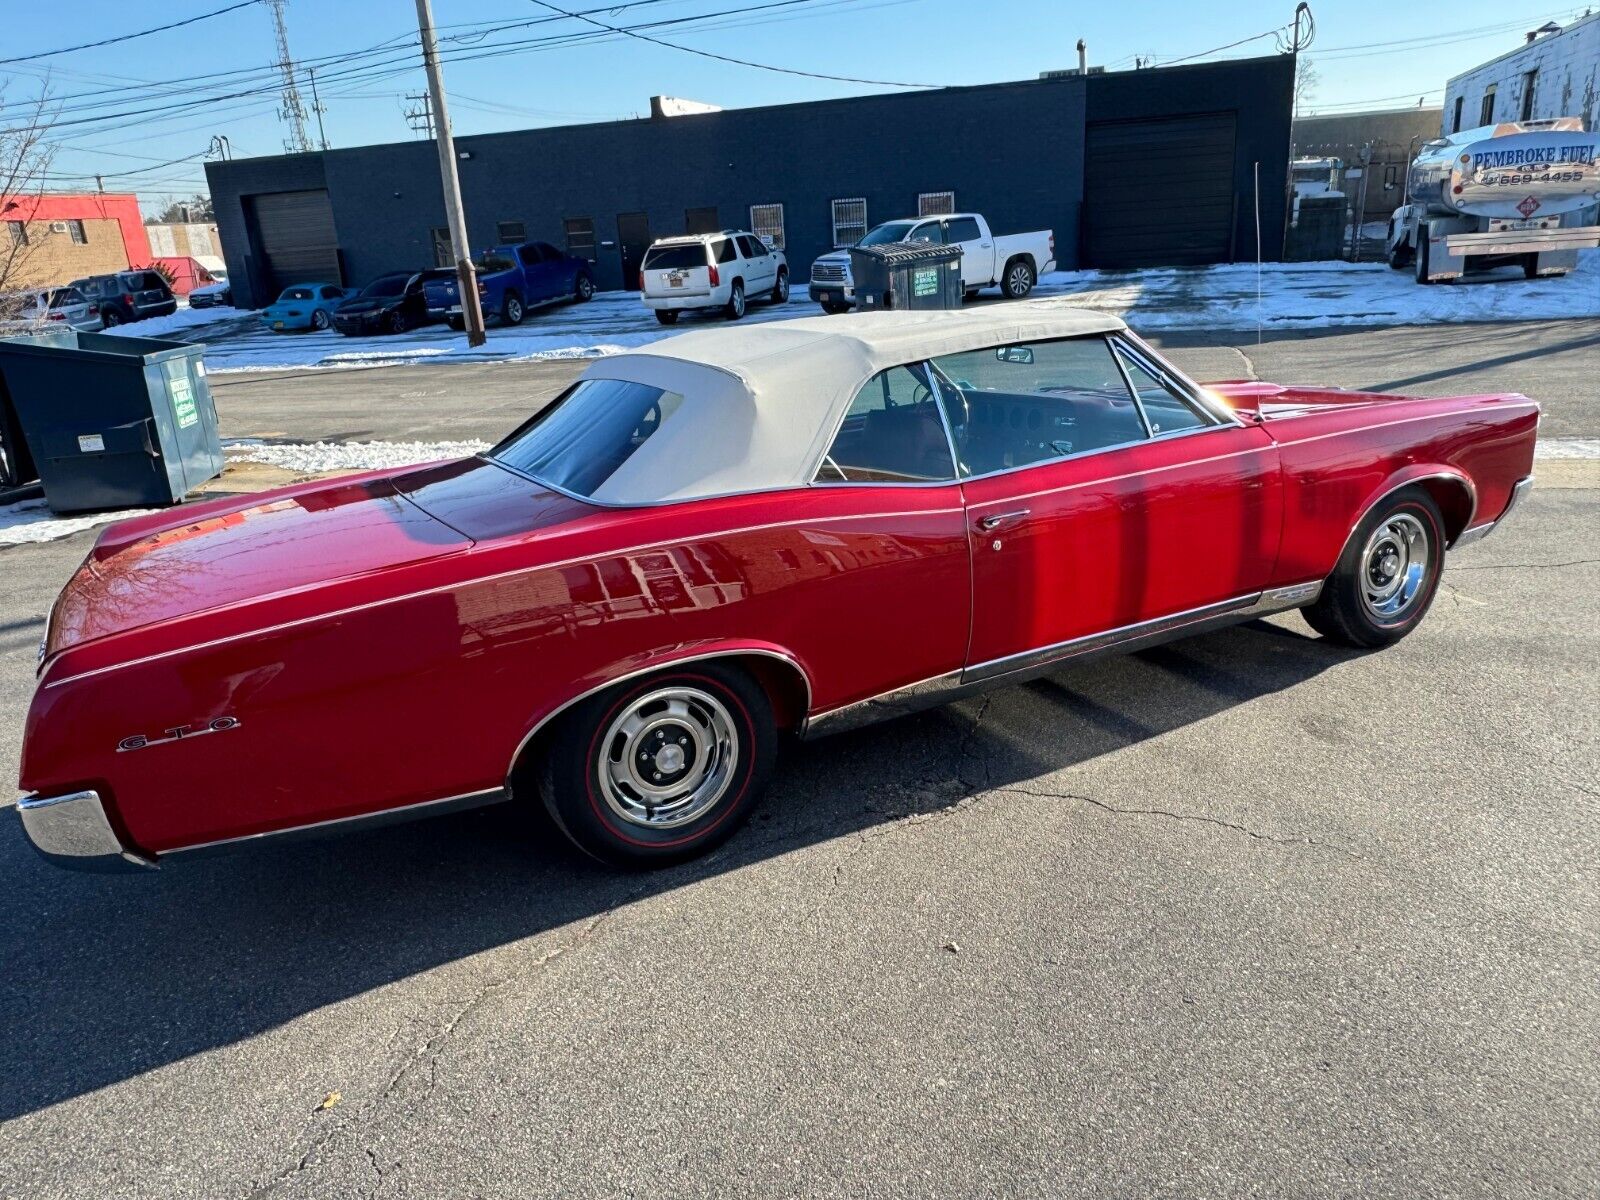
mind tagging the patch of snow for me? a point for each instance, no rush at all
(312, 457)
(1558, 448)
(32, 522)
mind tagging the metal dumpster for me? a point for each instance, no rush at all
(110, 421)
(906, 275)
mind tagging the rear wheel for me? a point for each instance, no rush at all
(660, 769)
(735, 306)
(456, 323)
(1421, 258)
(833, 308)
(512, 312)
(110, 318)
(1399, 255)
(1530, 266)
(1018, 280)
(1387, 576)
(667, 316)
(319, 319)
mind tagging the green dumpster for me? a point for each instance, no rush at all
(111, 421)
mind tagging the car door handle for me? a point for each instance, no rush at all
(1001, 520)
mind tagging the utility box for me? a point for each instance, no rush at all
(1317, 234)
(906, 276)
(110, 421)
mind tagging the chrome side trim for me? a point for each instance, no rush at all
(1479, 532)
(660, 665)
(377, 820)
(1018, 668)
(72, 831)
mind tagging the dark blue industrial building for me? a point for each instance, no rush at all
(1155, 167)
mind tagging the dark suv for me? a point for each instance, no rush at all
(128, 296)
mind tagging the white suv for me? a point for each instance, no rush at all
(711, 270)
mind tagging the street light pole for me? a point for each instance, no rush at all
(471, 310)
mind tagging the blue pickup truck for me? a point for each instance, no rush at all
(511, 281)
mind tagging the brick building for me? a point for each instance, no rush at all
(60, 237)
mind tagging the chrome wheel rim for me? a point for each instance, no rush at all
(1394, 567)
(668, 758)
(513, 311)
(1019, 279)
(738, 302)
(319, 319)
(585, 288)
(783, 287)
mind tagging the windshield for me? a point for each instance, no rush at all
(295, 294)
(676, 258)
(389, 285)
(580, 440)
(894, 231)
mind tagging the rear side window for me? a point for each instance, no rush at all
(684, 257)
(892, 433)
(963, 229)
(490, 263)
(331, 293)
(579, 441)
(724, 251)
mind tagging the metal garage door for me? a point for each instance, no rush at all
(1158, 193)
(294, 231)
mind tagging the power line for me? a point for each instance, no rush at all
(743, 62)
(128, 37)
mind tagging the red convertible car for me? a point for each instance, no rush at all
(734, 534)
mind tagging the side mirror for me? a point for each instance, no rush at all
(1015, 354)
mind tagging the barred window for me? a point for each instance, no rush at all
(766, 222)
(849, 221)
(935, 204)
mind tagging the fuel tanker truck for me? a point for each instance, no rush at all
(1515, 194)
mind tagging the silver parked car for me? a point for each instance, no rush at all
(56, 306)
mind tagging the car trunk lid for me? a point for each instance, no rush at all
(142, 574)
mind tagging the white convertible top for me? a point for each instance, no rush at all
(760, 401)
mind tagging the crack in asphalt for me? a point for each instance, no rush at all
(1198, 818)
(1249, 364)
(428, 1055)
(1577, 562)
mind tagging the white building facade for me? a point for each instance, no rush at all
(1555, 74)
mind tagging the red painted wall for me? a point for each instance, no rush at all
(118, 206)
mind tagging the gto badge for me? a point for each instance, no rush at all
(177, 734)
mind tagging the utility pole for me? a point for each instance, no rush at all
(471, 310)
(293, 112)
(100, 183)
(317, 107)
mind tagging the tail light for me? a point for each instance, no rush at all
(641, 279)
(127, 298)
(715, 278)
(94, 310)
(56, 316)
(1052, 245)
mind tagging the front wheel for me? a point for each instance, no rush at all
(735, 306)
(780, 290)
(660, 769)
(1387, 576)
(1019, 280)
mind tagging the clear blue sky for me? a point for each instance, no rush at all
(1367, 53)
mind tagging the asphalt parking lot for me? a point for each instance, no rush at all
(1243, 915)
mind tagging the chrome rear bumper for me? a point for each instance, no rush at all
(1478, 532)
(72, 831)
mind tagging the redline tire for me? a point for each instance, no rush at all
(1365, 602)
(705, 729)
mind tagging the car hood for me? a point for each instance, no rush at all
(351, 308)
(174, 565)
